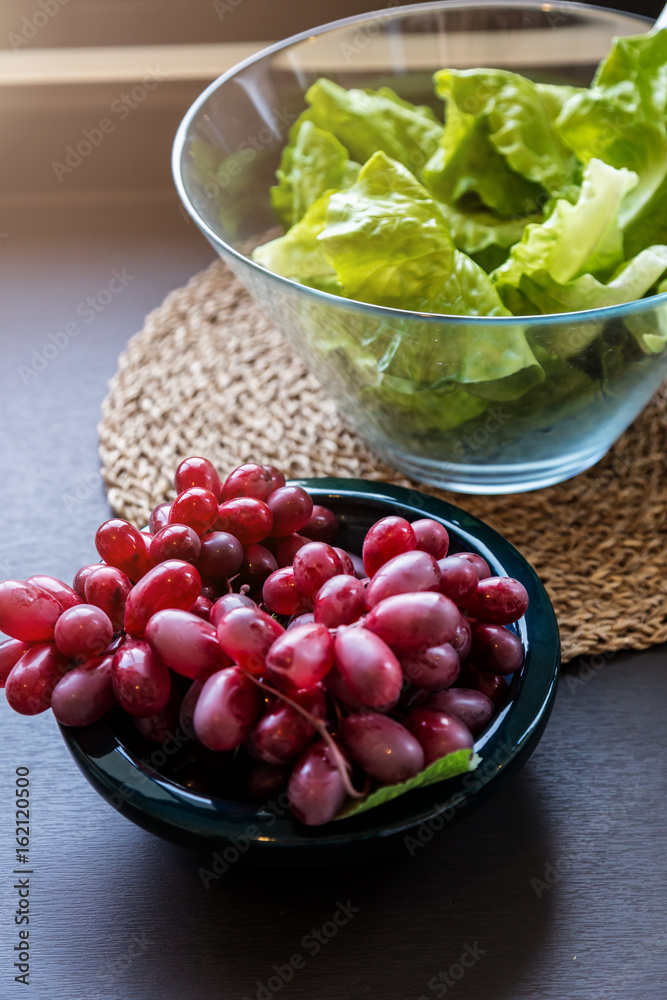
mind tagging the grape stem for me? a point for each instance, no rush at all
(339, 714)
(320, 726)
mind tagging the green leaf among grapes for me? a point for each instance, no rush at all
(459, 762)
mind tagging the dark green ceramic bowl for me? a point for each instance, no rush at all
(131, 782)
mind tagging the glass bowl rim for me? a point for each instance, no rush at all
(515, 730)
(601, 314)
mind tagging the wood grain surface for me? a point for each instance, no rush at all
(554, 891)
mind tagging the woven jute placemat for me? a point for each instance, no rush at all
(209, 375)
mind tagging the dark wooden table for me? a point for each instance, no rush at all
(556, 890)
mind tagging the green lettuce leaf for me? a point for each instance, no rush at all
(312, 163)
(500, 141)
(565, 392)
(298, 254)
(466, 164)
(388, 240)
(584, 238)
(621, 120)
(522, 121)
(366, 121)
(633, 279)
(485, 237)
(458, 762)
(389, 243)
(423, 411)
(473, 232)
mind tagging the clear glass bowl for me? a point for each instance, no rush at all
(225, 155)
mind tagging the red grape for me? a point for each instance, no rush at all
(498, 600)
(247, 518)
(288, 547)
(368, 667)
(340, 601)
(175, 541)
(462, 639)
(347, 564)
(85, 693)
(107, 588)
(322, 525)
(171, 584)
(496, 649)
(258, 563)
(83, 631)
(64, 595)
(432, 537)
(248, 481)
(246, 635)
(280, 594)
(438, 732)
(227, 709)
(187, 709)
(291, 508)
(434, 669)
(213, 589)
(458, 579)
(277, 477)
(227, 603)
(384, 540)
(202, 608)
(159, 518)
(302, 656)
(185, 643)
(413, 697)
(31, 681)
(414, 621)
(314, 564)
(79, 584)
(472, 707)
(221, 554)
(495, 686)
(283, 733)
(11, 652)
(336, 686)
(357, 565)
(27, 612)
(316, 790)
(198, 472)
(307, 618)
(407, 573)
(195, 507)
(120, 544)
(382, 747)
(481, 565)
(141, 682)
(161, 727)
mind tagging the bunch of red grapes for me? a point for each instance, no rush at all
(235, 613)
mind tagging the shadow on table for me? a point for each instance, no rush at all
(470, 911)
